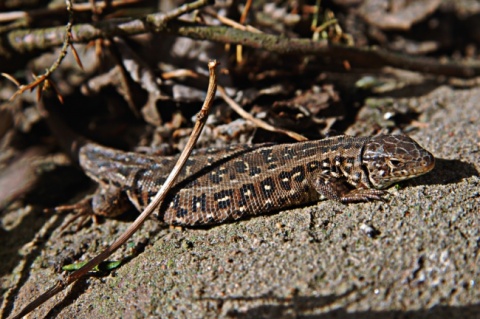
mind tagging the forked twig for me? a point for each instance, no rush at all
(237, 108)
(258, 122)
(60, 8)
(44, 78)
(159, 197)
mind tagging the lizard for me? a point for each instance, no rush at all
(218, 185)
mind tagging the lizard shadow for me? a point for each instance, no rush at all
(273, 306)
(35, 227)
(303, 306)
(447, 171)
(49, 190)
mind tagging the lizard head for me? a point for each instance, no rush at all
(392, 158)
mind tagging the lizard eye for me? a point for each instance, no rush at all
(395, 162)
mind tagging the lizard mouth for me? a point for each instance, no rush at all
(427, 164)
(419, 166)
(381, 179)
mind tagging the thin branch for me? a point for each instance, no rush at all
(159, 197)
(243, 17)
(63, 53)
(78, 7)
(230, 22)
(357, 56)
(23, 41)
(30, 40)
(247, 116)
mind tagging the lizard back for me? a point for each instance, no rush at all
(217, 185)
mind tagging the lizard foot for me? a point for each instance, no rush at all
(83, 212)
(362, 195)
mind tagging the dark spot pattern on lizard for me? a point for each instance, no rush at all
(298, 173)
(284, 178)
(255, 171)
(223, 198)
(272, 166)
(240, 167)
(247, 192)
(347, 146)
(267, 155)
(267, 186)
(138, 177)
(176, 201)
(181, 213)
(313, 166)
(199, 203)
(348, 165)
(215, 177)
(289, 154)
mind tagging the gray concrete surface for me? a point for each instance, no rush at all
(311, 262)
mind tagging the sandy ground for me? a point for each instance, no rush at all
(312, 262)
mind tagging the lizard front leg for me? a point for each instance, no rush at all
(336, 188)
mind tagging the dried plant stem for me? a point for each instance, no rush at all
(63, 53)
(159, 197)
(247, 116)
(79, 7)
(22, 41)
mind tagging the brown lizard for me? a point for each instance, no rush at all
(245, 180)
(217, 185)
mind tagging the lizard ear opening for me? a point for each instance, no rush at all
(395, 162)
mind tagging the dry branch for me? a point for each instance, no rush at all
(22, 41)
(156, 201)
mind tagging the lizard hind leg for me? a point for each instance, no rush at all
(106, 201)
(82, 213)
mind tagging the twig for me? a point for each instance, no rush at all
(357, 56)
(237, 108)
(22, 41)
(230, 22)
(159, 197)
(79, 7)
(243, 17)
(63, 53)
(234, 105)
